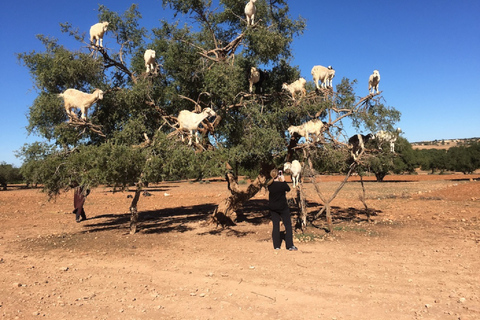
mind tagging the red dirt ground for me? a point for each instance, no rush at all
(418, 259)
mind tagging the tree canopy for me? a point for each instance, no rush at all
(131, 136)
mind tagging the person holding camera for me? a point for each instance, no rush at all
(278, 205)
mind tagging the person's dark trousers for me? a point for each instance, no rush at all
(80, 213)
(78, 202)
(285, 216)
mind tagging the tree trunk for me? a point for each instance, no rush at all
(364, 200)
(228, 207)
(134, 211)
(326, 202)
(380, 176)
(329, 218)
(301, 201)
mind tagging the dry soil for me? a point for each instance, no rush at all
(417, 259)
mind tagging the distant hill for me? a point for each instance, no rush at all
(443, 144)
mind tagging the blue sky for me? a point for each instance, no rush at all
(427, 52)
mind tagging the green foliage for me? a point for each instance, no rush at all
(405, 161)
(58, 68)
(33, 155)
(381, 164)
(9, 174)
(465, 159)
(432, 159)
(225, 81)
(125, 28)
(330, 160)
(53, 72)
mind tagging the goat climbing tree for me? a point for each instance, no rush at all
(131, 137)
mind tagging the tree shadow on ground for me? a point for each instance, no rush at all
(228, 232)
(254, 212)
(146, 190)
(179, 219)
(341, 215)
(184, 218)
(154, 221)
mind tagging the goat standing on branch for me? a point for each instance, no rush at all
(190, 121)
(250, 11)
(149, 58)
(295, 168)
(96, 33)
(324, 75)
(297, 86)
(383, 137)
(257, 77)
(373, 81)
(313, 126)
(73, 98)
(356, 144)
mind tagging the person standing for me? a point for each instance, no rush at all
(78, 202)
(278, 205)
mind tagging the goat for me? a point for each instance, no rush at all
(257, 77)
(387, 137)
(357, 143)
(190, 121)
(373, 81)
(96, 33)
(149, 58)
(296, 86)
(324, 75)
(73, 98)
(313, 126)
(253, 78)
(295, 168)
(250, 11)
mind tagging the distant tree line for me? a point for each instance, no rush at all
(406, 160)
(9, 174)
(465, 159)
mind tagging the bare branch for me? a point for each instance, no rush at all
(109, 62)
(84, 124)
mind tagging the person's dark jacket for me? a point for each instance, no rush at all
(277, 195)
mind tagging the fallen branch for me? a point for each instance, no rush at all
(262, 295)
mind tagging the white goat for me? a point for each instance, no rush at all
(73, 98)
(257, 77)
(250, 11)
(373, 81)
(313, 126)
(295, 168)
(190, 121)
(253, 78)
(387, 137)
(357, 143)
(324, 75)
(96, 33)
(149, 58)
(296, 86)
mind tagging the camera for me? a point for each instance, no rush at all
(280, 172)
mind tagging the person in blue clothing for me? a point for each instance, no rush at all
(279, 210)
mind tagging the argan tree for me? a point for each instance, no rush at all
(131, 136)
(9, 174)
